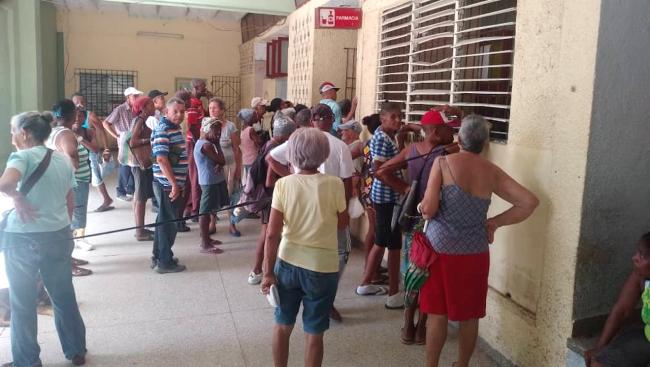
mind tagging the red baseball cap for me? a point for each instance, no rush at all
(325, 86)
(432, 117)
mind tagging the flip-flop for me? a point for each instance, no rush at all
(236, 233)
(104, 208)
(210, 250)
(78, 262)
(405, 340)
(215, 242)
(147, 236)
(382, 280)
(80, 272)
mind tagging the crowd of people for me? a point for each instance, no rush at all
(303, 174)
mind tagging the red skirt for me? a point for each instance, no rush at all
(457, 286)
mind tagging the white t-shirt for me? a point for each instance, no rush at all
(339, 162)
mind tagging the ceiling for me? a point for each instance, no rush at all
(202, 10)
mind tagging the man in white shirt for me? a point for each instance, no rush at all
(339, 163)
(158, 99)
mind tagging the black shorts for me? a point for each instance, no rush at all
(384, 236)
(213, 197)
(143, 180)
(629, 349)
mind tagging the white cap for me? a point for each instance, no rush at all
(131, 91)
(256, 101)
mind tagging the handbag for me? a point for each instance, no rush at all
(406, 214)
(27, 186)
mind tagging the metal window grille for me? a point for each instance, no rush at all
(394, 49)
(228, 89)
(104, 89)
(350, 72)
(460, 53)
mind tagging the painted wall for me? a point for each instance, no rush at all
(531, 283)
(24, 61)
(330, 58)
(617, 194)
(50, 94)
(108, 40)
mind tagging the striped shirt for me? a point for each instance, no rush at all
(167, 140)
(82, 174)
(382, 149)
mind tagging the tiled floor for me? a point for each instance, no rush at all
(209, 315)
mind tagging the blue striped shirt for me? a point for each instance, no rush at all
(167, 140)
(382, 149)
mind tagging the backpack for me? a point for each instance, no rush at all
(255, 190)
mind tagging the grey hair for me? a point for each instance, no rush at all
(474, 132)
(174, 100)
(282, 125)
(308, 148)
(303, 118)
(38, 125)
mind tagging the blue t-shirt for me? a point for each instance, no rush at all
(209, 172)
(382, 149)
(49, 194)
(336, 109)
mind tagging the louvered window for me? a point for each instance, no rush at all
(460, 53)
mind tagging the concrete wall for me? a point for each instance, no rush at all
(108, 40)
(617, 194)
(24, 61)
(532, 272)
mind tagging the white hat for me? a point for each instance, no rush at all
(351, 125)
(131, 91)
(256, 101)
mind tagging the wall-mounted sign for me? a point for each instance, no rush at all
(338, 18)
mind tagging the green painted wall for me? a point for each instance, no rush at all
(49, 76)
(28, 62)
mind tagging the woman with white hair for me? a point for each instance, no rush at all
(307, 209)
(37, 239)
(456, 202)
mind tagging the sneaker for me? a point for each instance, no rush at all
(371, 290)
(174, 268)
(254, 279)
(395, 302)
(83, 245)
(124, 197)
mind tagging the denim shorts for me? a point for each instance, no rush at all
(315, 290)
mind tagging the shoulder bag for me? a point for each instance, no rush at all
(27, 186)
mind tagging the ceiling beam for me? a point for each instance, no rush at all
(272, 7)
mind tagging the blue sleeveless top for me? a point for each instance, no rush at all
(459, 226)
(209, 172)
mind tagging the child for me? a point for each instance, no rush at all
(214, 193)
(628, 346)
(383, 147)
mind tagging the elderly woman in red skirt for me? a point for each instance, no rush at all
(456, 203)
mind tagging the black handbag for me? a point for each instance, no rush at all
(26, 187)
(405, 214)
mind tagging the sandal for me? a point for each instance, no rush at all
(210, 250)
(146, 236)
(235, 233)
(104, 208)
(78, 262)
(405, 339)
(381, 280)
(80, 272)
